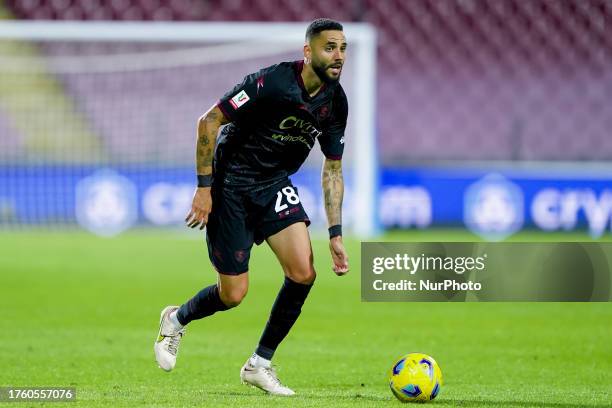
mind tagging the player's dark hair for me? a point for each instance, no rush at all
(321, 24)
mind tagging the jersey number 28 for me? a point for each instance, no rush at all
(291, 196)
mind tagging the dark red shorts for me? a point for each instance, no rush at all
(240, 218)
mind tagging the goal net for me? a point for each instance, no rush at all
(97, 120)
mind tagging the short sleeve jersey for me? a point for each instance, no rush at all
(274, 125)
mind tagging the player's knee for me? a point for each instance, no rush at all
(309, 278)
(233, 297)
(305, 276)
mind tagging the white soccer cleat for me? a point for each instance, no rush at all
(264, 378)
(168, 340)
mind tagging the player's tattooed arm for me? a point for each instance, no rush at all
(208, 127)
(333, 190)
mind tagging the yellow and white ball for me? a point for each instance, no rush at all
(415, 377)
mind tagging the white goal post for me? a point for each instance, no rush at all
(229, 42)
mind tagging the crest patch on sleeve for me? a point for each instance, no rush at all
(239, 99)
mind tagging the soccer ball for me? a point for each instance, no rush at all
(416, 377)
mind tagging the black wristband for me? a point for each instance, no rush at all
(335, 230)
(204, 180)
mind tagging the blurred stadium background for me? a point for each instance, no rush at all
(491, 119)
(493, 116)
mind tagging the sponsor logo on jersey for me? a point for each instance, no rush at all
(239, 99)
(297, 130)
(305, 127)
(290, 138)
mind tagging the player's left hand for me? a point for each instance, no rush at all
(339, 256)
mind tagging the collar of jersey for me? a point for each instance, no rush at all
(299, 66)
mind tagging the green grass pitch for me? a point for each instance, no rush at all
(83, 311)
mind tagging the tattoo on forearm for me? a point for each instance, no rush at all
(333, 190)
(208, 127)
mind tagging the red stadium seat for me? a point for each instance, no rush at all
(485, 78)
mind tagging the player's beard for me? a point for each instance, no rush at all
(321, 71)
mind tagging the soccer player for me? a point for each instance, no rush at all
(248, 145)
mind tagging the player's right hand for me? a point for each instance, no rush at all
(200, 208)
(339, 256)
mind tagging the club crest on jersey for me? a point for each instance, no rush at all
(239, 99)
(323, 113)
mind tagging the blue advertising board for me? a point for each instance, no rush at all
(493, 203)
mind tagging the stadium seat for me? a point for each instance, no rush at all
(487, 79)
